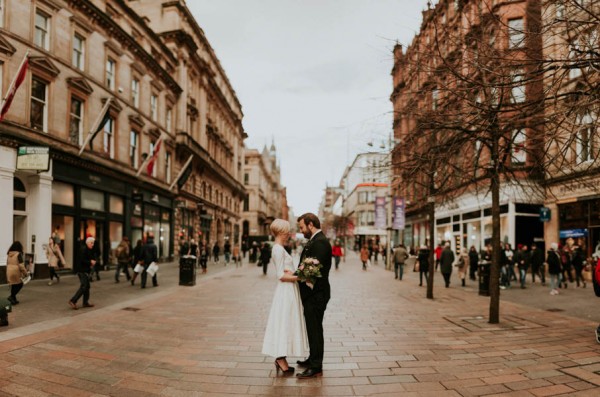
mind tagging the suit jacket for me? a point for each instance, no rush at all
(320, 248)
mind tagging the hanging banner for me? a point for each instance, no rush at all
(399, 214)
(380, 213)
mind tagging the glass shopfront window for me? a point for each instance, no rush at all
(472, 232)
(115, 234)
(116, 205)
(443, 234)
(63, 226)
(164, 239)
(63, 194)
(152, 222)
(92, 200)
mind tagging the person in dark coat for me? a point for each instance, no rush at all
(554, 268)
(523, 262)
(265, 256)
(149, 255)
(315, 299)
(473, 262)
(537, 264)
(84, 269)
(137, 258)
(446, 261)
(578, 260)
(423, 259)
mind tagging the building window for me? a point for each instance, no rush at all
(516, 33)
(153, 107)
(42, 30)
(169, 120)
(575, 53)
(519, 152)
(518, 87)
(135, 92)
(110, 73)
(76, 121)
(246, 204)
(2, 6)
(134, 156)
(246, 179)
(78, 51)
(434, 98)
(108, 137)
(168, 167)
(585, 139)
(39, 107)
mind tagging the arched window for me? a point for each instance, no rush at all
(20, 194)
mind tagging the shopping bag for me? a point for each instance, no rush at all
(138, 268)
(152, 269)
(26, 279)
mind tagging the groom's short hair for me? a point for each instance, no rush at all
(309, 217)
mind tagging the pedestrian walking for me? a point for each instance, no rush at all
(84, 268)
(265, 256)
(123, 254)
(565, 259)
(15, 270)
(473, 262)
(285, 334)
(446, 262)
(462, 267)
(54, 258)
(578, 260)
(554, 268)
(227, 252)
(400, 256)
(337, 253)
(523, 262)
(423, 259)
(364, 256)
(244, 248)
(204, 256)
(237, 259)
(506, 264)
(149, 256)
(95, 270)
(537, 264)
(193, 251)
(137, 258)
(216, 250)
(438, 256)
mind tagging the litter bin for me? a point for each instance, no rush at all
(187, 270)
(484, 278)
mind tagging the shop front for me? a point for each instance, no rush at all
(579, 223)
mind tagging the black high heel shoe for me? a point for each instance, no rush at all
(278, 368)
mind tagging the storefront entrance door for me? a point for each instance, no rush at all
(95, 228)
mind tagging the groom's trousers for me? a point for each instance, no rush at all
(314, 311)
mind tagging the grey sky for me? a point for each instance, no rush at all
(314, 75)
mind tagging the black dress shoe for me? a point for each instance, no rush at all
(303, 363)
(310, 373)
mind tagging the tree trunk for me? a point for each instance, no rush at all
(495, 269)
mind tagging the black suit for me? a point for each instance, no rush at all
(315, 300)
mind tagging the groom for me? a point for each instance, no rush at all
(314, 300)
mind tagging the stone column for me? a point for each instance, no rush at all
(39, 214)
(8, 159)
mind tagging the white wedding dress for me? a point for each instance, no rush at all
(286, 331)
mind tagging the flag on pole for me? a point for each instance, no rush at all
(14, 86)
(184, 174)
(98, 125)
(149, 161)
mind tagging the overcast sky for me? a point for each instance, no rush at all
(312, 75)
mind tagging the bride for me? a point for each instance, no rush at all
(286, 330)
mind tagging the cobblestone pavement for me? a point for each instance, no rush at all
(381, 338)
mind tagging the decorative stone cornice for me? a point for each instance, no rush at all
(6, 47)
(44, 65)
(80, 84)
(136, 120)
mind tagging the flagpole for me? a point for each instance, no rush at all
(181, 171)
(95, 126)
(160, 139)
(14, 80)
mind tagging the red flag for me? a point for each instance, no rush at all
(150, 166)
(12, 90)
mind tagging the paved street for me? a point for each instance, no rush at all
(382, 338)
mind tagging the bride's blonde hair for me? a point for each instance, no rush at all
(280, 226)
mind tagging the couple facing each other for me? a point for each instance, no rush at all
(287, 333)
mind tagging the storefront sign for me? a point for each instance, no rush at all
(573, 233)
(33, 158)
(545, 214)
(380, 213)
(399, 214)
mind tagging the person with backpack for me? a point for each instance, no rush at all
(123, 254)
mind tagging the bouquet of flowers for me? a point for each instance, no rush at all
(308, 271)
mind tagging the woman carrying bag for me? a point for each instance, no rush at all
(15, 270)
(54, 258)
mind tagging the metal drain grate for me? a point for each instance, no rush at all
(131, 309)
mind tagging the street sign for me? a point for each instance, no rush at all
(33, 158)
(573, 233)
(545, 214)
